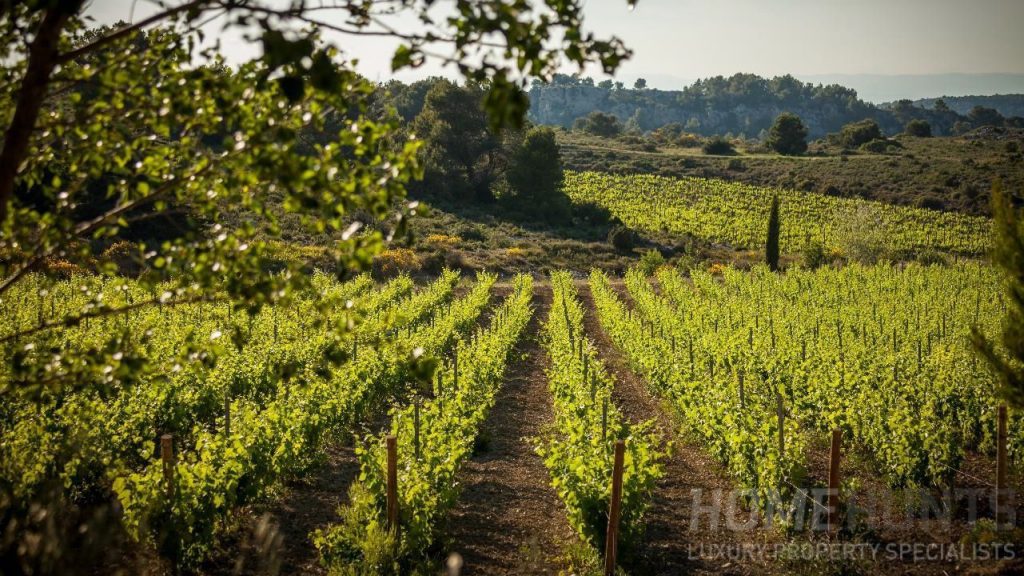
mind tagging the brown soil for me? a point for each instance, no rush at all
(508, 519)
(670, 546)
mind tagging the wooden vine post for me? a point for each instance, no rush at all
(691, 357)
(611, 546)
(167, 456)
(833, 480)
(416, 428)
(392, 482)
(1001, 505)
(455, 367)
(604, 419)
(227, 413)
(743, 399)
(780, 414)
(440, 392)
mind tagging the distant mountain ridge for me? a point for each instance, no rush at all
(880, 88)
(742, 104)
(1006, 104)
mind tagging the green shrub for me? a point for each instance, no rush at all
(880, 146)
(622, 238)
(931, 203)
(814, 256)
(919, 129)
(598, 124)
(436, 261)
(688, 140)
(472, 233)
(650, 262)
(932, 257)
(718, 146)
(736, 165)
(856, 134)
(685, 262)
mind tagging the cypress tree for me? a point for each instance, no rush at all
(1008, 254)
(771, 249)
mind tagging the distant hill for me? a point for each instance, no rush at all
(742, 104)
(1006, 104)
(879, 88)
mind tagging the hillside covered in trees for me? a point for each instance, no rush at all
(742, 104)
(1006, 104)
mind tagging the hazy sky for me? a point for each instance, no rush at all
(692, 38)
(676, 41)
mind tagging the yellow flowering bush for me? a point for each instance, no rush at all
(717, 269)
(62, 269)
(395, 261)
(446, 240)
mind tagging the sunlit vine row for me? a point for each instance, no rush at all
(881, 352)
(435, 435)
(281, 437)
(738, 427)
(578, 450)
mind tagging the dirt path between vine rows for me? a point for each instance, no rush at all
(670, 546)
(508, 519)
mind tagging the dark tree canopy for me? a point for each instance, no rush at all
(983, 116)
(742, 103)
(598, 124)
(718, 146)
(856, 134)
(409, 99)
(457, 141)
(788, 135)
(919, 128)
(535, 175)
